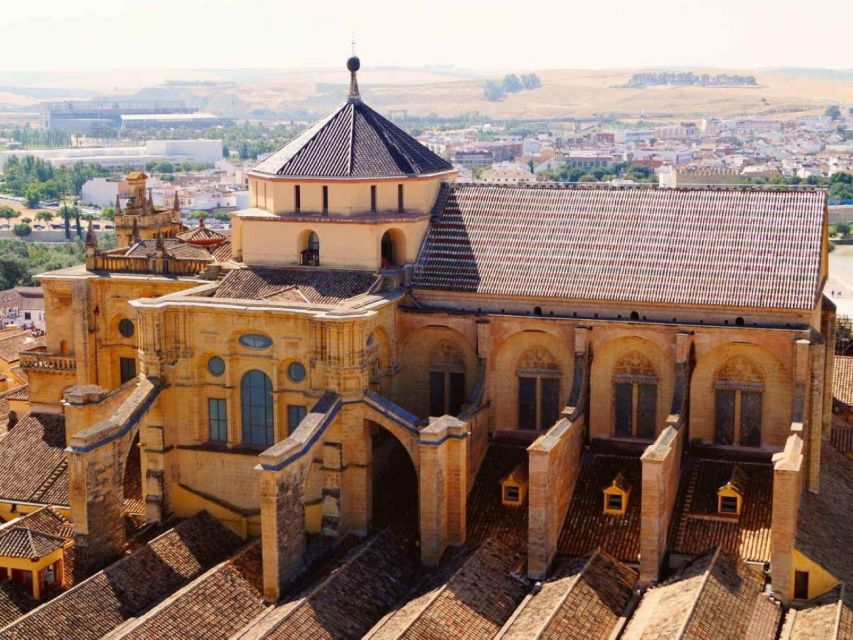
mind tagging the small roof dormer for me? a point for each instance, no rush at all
(616, 495)
(730, 495)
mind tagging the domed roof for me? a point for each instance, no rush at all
(353, 141)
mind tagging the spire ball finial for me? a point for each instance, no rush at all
(353, 64)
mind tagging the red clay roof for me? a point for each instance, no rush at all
(732, 247)
(33, 465)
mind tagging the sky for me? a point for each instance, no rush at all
(469, 34)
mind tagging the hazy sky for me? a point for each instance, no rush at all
(87, 34)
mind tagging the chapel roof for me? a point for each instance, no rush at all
(724, 247)
(33, 465)
(22, 542)
(353, 141)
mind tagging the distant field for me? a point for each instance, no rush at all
(564, 93)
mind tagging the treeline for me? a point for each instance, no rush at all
(37, 138)
(496, 91)
(622, 170)
(165, 166)
(839, 186)
(35, 179)
(651, 78)
(20, 261)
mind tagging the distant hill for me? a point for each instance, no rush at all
(291, 93)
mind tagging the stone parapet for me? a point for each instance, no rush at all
(788, 478)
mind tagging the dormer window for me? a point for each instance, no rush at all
(730, 495)
(616, 496)
(514, 486)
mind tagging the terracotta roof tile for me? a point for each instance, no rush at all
(825, 521)
(14, 602)
(12, 342)
(348, 603)
(353, 142)
(585, 599)
(830, 619)
(47, 520)
(696, 524)
(130, 585)
(19, 393)
(21, 542)
(842, 380)
(32, 460)
(174, 247)
(741, 248)
(316, 286)
(473, 603)
(717, 596)
(586, 526)
(215, 605)
(487, 516)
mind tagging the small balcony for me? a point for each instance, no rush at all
(40, 358)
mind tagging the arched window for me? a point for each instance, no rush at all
(738, 399)
(539, 403)
(446, 379)
(388, 257)
(311, 252)
(635, 393)
(256, 403)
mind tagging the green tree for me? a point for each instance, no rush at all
(22, 230)
(13, 271)
(842, 229)
(493, 91)
(588, 177)
(833, 112)
(32, 195)
(44, 216)
(8, 213)
(512, 84)
(66, 217)
(108, 213)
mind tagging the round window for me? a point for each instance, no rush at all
(125, 328)
(296, 371)
(216, 366)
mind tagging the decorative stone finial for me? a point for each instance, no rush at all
(91, 240)
(353, 64)
(201, 222)
(134, 232)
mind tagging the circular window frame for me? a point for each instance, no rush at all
(299, 367)
(123, 330)
(215, 361)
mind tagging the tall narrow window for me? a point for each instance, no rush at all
(295, 414)
(446, 380)
(217, 420)
(400, 203)
(297, 198)
(635, 392)
(373, 198)
(311, 253)
(539, 402)
(257, 406)
(738, 401)
(325, 199)
(127, 369)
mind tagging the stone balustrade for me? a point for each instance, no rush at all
(42, 359)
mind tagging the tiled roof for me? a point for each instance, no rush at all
(22, 298)
(842, 380)
(716, 596)
(47, 520)
(353, 142)
(174, 247)
(12, 342)
(294, 284)
(742, 248)
(131, 585)
(696, 524)
(215, 605)
(829, 619)
(825, 521)
(354, 596)
(19, 393)
(584, 600)
(33, 465)
(474, 603)
(840, 436)
(21, 542)
(202, 236)
(586, 526)
(487, 516)
(14, 602)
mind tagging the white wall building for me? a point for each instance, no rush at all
(199, 151)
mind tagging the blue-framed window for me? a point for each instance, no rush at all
(217, 420)
(257, 406)
(295, 413)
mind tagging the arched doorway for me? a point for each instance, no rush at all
(309, 249)
(392, 248)
(395, 484)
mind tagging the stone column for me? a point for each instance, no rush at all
(443, 486)
(787, 485)
(282, 526)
